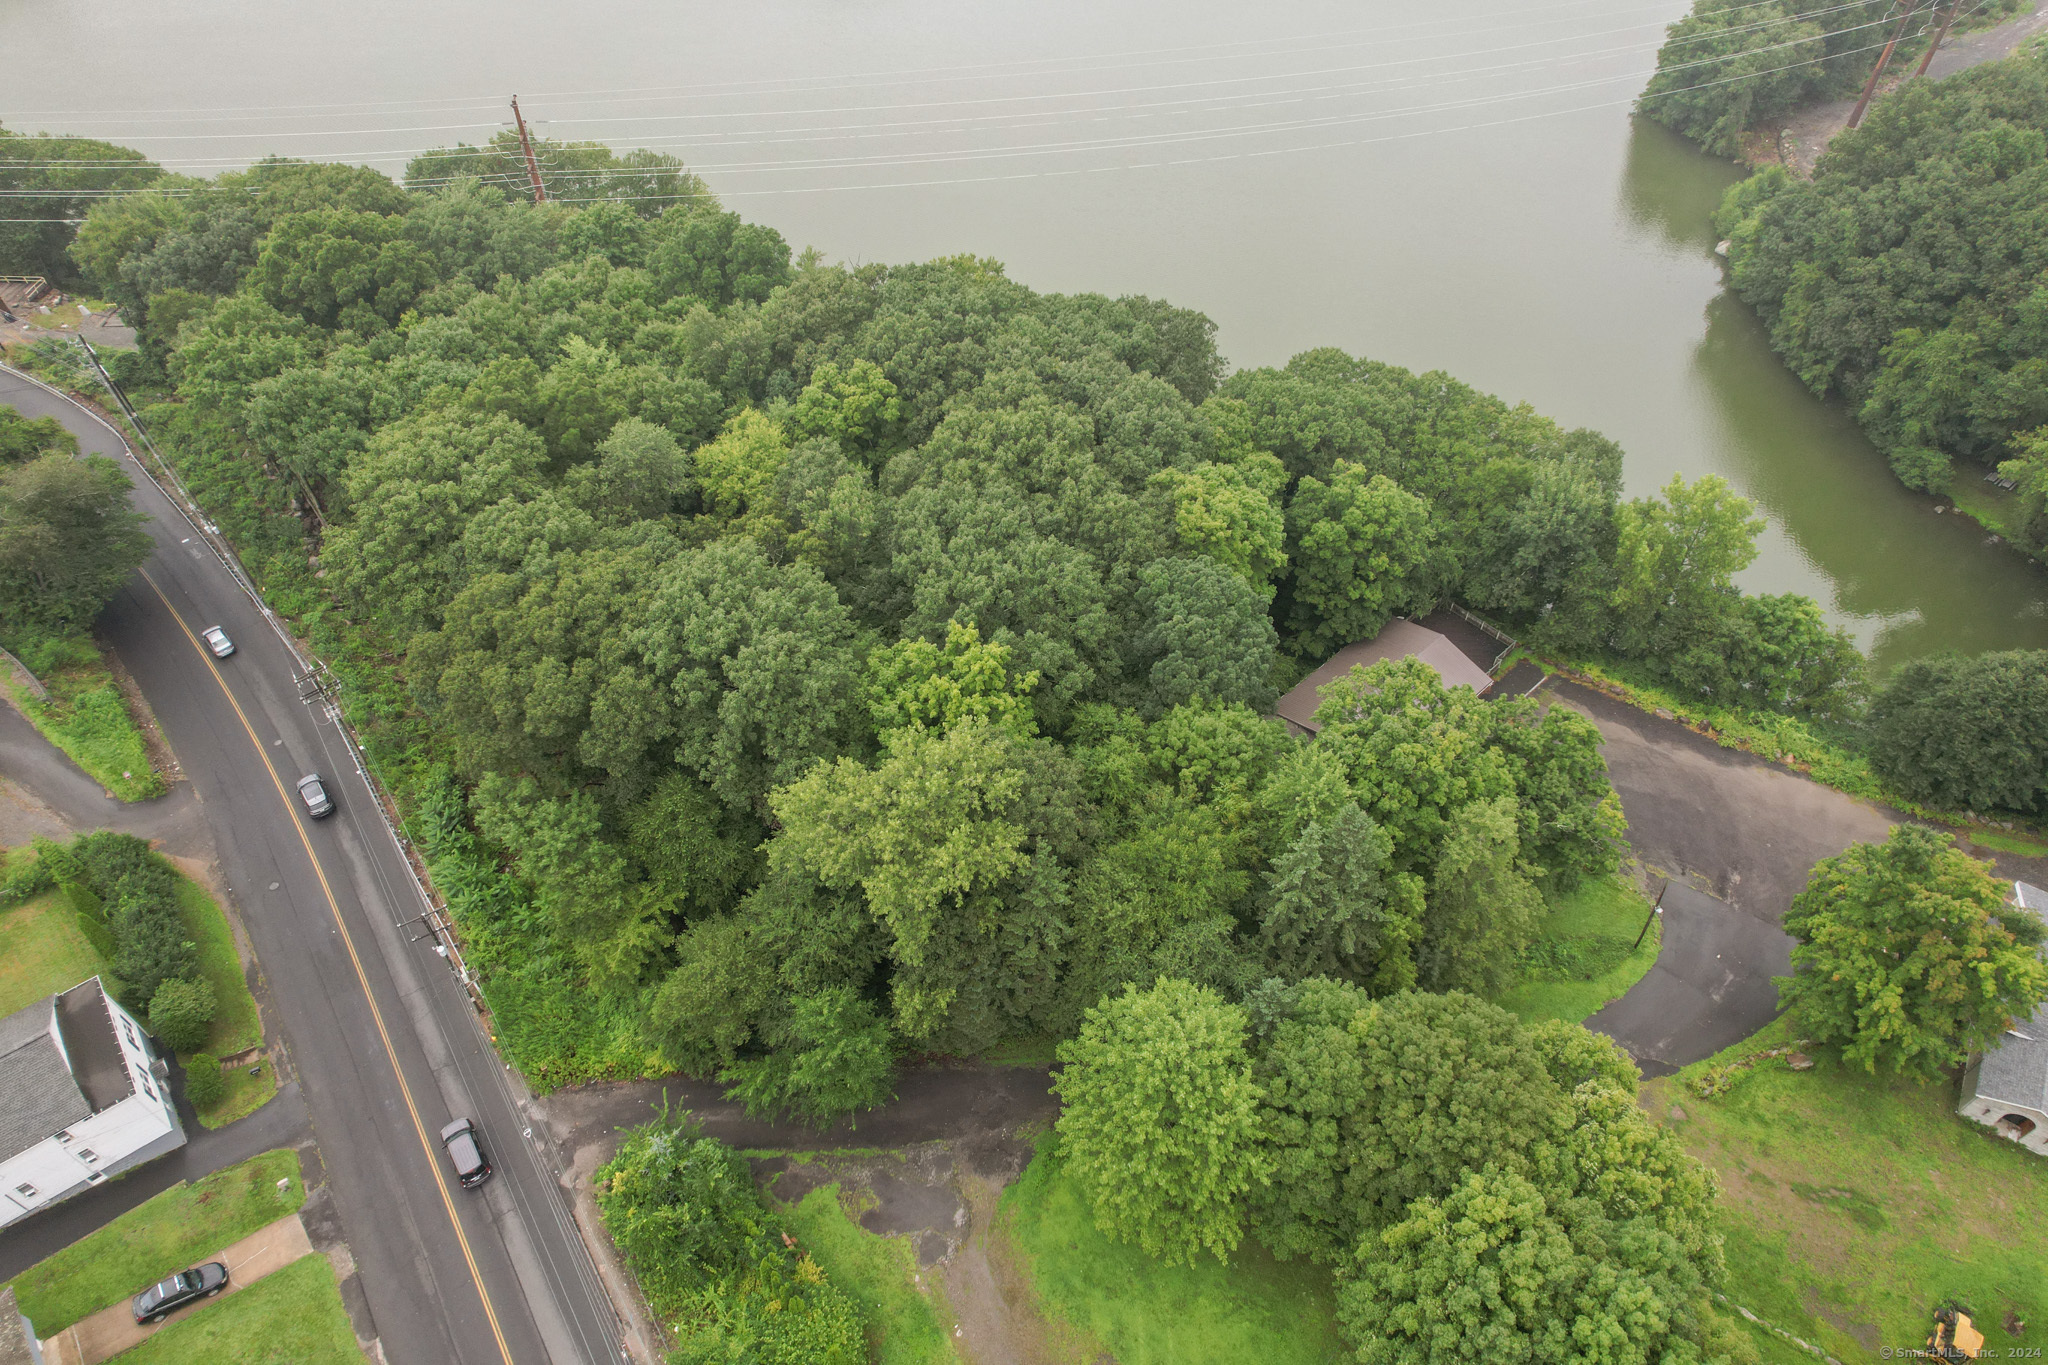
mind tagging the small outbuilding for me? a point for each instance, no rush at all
(2006, 1089)
(1400, 640)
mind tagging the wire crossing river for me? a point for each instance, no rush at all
(1458, 187)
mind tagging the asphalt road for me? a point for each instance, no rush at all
(377, 1027)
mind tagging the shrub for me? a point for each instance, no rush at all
(25, 878)
(715, 1262)
(181, 1013)
(204, 1085)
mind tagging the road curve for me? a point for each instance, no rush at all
(378, 1029)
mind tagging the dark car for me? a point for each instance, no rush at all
(160, 1300)
(314, 793)
(472, 1167)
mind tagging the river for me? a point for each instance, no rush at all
(1465, 191)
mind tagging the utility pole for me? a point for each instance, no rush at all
(540, 194)
(1906, 8)
(1940, 35)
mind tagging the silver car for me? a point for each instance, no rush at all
(217, 640)
(313, 792)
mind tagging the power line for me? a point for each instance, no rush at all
(958, 121)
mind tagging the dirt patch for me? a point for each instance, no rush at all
(1864, 1333)
(943, 1198)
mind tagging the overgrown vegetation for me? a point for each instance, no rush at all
(174, 1230)
(1482, 1188)
(715, 1262)
(904, 1327)
(1590, 947)
(1907, 277)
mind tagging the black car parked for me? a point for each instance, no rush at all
(160, 1300)
(472, 1167)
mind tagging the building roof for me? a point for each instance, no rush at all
(15, 1347)
(38, 1096)
(2016, 1071)
(2029, 897)
(96, 1061)
(1400, 640)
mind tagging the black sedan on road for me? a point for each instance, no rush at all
(160, 1300)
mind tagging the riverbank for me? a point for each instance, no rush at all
(1802, 136)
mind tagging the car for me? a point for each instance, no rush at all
(165, 1297)
(217, 640)
(313, 792)
(472, 1167)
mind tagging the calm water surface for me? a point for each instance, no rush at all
(1463, 191)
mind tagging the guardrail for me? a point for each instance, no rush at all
(312, 669)
(316, 682)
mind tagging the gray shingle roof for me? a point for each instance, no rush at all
(14, 1342)
(38, 1097)
(2016, 1071)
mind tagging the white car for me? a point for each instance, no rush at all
(217, 640)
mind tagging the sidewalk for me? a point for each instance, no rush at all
(113, 1329)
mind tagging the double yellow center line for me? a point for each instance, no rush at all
(348, 941)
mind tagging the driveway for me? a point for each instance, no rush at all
(1736, 836)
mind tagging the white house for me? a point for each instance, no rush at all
(2006, 1089)
(82, 1098)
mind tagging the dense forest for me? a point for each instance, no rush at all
(852, 661)
(1910, 276)
(1735, 67)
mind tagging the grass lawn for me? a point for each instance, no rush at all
(236, 1024)
(2009, 843)
(1853, 1204)
(292, 1316)
(903, 1328)
(42, 952)
(1582, 959)
(86, 717)
(181, 1226)
(1145, 1312)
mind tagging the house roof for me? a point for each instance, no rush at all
(15, 1346)
(1400, 640)
(2016, 1071)
(38, 1096)
(96, 1061)
(2029, 897)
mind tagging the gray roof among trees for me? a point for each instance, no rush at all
(38, 1096)
(1399, 640)
(2016, 1071)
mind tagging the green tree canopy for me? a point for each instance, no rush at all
(68, 540)
(1966, 734)
(1159, 1121)
(1908, 955)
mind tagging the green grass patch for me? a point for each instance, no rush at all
(903, 1325)
(292, 1316)
(87, 718)
(237, 1026)
(42, 951)
(2009, 843)
(1146, 1312)
(1585, 955)
(1853, 1204)
(181, 1226)
(1990, 506)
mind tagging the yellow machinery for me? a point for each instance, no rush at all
(1953, 1337)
